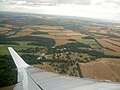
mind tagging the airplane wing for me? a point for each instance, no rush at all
(25, 81)
(31, 78)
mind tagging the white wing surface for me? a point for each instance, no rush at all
(25, 81)
(30, 78)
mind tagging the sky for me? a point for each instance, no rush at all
(100, 9)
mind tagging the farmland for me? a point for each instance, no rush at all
(111, 47)
(60, 44)
(109, 66)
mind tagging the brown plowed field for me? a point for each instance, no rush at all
(103, 69)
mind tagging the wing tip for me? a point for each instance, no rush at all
(19, 62)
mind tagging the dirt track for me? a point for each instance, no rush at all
(103, 69)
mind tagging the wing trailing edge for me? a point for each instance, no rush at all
(25, 81)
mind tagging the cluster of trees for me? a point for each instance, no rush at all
(111, 56)
(108, 34)
(8, 73)
(31, 59)
(63, 67)
(72, 68)
(28, 38)
(88, 37)
(31, 50)
(3, 37)
(4, 40)
(37, 41)
(8, 43)
(44, 43)
(39, 32)
(73, 47)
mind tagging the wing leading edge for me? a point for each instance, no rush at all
(25, 82)
(30, 78)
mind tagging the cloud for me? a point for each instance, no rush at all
(107, 3)
(87, 8)
(113, 1)
(55, 2)
(39, 2)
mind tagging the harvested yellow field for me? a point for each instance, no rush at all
(103, 69)
(59, 40)
(62, 36)
(58, 33)
(114, 49)
(24, 32)
(112, 41)
(4, 30)
(115, 39)
(6, 25)
(49, 31)
(45, 66)
(109, 52)
(46, 27)
(28, 30)
(72, 33)
(99, 31)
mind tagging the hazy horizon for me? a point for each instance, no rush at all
(98, 9)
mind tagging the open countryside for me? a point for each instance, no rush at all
(61, 45)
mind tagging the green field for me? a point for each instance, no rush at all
(22, 45)
(90, 42)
